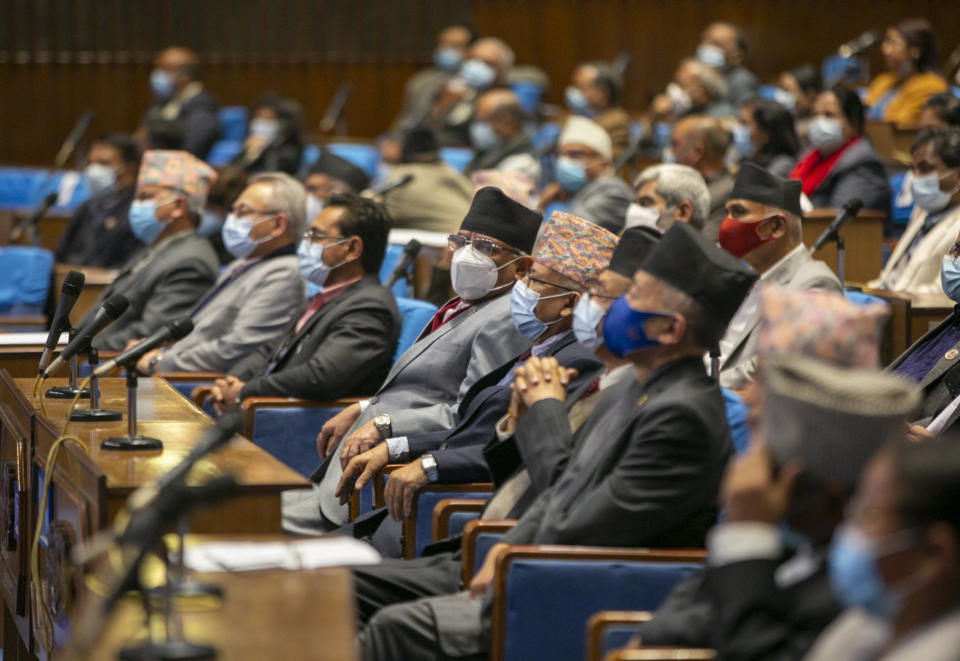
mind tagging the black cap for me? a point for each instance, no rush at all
(705, 272)
(633, 247)
(758, 185)
(494, 214)
(332, 165)
(418, 141)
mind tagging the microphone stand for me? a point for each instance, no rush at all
(178, 583)
(715, 362)
(95, 413)
(69, 391)
(841, 265)
(132, 441)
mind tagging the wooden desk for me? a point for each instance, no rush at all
(49, 230)
(891, 141)
(96, 280)
(926, 312)
(863, 237)
(90, 487)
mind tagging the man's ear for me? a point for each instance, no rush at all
(773, 227)
(570, 304)
(671, 331)
(683, 212)
(355, 248)
(523, 266)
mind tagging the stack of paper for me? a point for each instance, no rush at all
(301, 554)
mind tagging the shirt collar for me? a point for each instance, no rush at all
(772, 272)
(327, 294)
(545, 347)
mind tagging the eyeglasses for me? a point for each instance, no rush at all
(243, 211)
(316, 236)
(595, 293)
(482, 246)
(530, 279)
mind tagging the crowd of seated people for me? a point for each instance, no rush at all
(596, 325)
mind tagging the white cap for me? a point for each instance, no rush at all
(588, 133)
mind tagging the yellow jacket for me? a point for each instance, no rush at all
(912, 93)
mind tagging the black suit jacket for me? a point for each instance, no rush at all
(647, 466)
(98, 233)
(344, 350)
(196, 126)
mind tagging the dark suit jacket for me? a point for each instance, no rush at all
(344, 350)
(859, 172)
(284, 157)
(166, 287)
(647, 466)
(196, 125)
(98, 233)
(941, 385)
(486, 160)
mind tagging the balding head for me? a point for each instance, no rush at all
(494, 52)
(700, 142)
(729, 38)
(457, 37)
(704, 84)
(181, 63)
(501, 109)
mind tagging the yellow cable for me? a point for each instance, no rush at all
(73, 402)
(43, 404)
(36, 384)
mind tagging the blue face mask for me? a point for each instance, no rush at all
(712, 56)
(310, 261)
(571, 174)
(210, 223)
(478, 74)
(446, 59)
(161, 84)
(577, 102)
(742, 144)
(826, 134)
(586, 317)
(523, 302)
(482, 136)
(623, 328)
(143, 220)
(950, 278)
(236, 235)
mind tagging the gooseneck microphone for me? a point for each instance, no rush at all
(410, 252)
(109, 312)
(849, 211)
(69, 292)
(175, 330)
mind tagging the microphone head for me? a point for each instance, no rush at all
(50, 198)
(232, 422)
(73, 283)
(853, 206)
(413, 247)
(180, 327)
(116, 305)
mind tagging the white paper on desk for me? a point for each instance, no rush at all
(28, 339)
(946, 418)
(301, 554)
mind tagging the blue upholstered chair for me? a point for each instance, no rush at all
(415, 315)
(401, 287)
(529, 95)
(736, 419)
(365, 157)
(611, 630)
(233, 122)
(456, 157)
(25, 188)
(24, 280)
(224, 151)
(899, 214)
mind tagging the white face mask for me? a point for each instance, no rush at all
(680, 99)
(473, 274)
(927, 194)
(639, 216)
(314, 207)
(826, 134)
(265, 129)
(99, 177)
(586, 317)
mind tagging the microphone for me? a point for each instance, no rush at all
(849, 211)
(109, 312)
(69, 291)
(39, 212)
(171, 332)
(335, 109)
(393, 184)
(858, 45)
(410, 252)
(70, 144)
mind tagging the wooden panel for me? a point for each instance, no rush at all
(926, 312)
(863, 239)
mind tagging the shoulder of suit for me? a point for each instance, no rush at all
(862, 154)
(814, 273)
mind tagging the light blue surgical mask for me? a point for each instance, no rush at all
(712, 56)
(523, 302)
(210, 223)
(587, 315)
(265, 129)
(667, 157)
(99, 177)
(310, 261)
(927, 194)
(571, 174)
(143, 219)
(950, 278)
(446, 59)
(577, 102)
(161, 84)
(784, 98)
(482, 136)
(236, 235)
(826, 134)
(478, 74)
(742, 144)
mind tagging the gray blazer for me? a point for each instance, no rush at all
(859, 172)
(426, 384)
(799, 272)
(603, 202)
(167, 285)
(248, 312)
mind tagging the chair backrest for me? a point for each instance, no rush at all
(25, 188)
(736, 419)
(24, 279)
(415, 315)
(484, 542)
(456, 157)
(899, 213)
(224, 151)
(538, 628)
(545, 134)
(459, 520)
(401, 288)
(233, 123)
(310, 154)
(529, 95)
(426, 501)
(290, 434)
(365, 157)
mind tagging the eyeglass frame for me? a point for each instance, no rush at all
(454, 239)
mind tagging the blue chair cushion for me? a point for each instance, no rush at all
(529, 95)
(426, 502)
(401, 287)
(545, 135)
(616, 636)
(24, 276)
(224, 151)
(25, 188)
(365, 157)
(459, 520)
(233, 123)
(482, 544)
(290, 434)
(310, 154)
(899, 214)
(538, 628)
(456, 157)
(414, 315)
(736, 419)
(860, 298)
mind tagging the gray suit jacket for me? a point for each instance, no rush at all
(252, 310)
(426, 384)
(168, 285)
(604, 202)
(859, 172)
(800, 271)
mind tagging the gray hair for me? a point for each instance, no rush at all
(507, 57)
(289, 197)
(679, 183)
(710, 78)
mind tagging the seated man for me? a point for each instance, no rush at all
(896, 566)
(648, 460)
(763, 229)
(498, 135)
(342, 342)
(696, 89)
(166, 278)
(594, 92)
(702, 143)
(724, 47)
(668, 194)
(585, 177)
(468, 338)
(329, 175)
(567, 259)
(914, 265)
(257, 295)
(98, 233)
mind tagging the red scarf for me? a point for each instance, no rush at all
(814, 167)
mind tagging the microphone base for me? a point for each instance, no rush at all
(95, 415)
(66, 392)
(186, 590)
(180, 649)
(131, 443)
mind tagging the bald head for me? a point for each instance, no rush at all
(700, 142)
(181, 63)
(501, 109)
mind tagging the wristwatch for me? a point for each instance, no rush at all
(382, 423)
(429, 466)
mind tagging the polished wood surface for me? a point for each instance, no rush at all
(863, 238)
(661, 654)
(600, 622)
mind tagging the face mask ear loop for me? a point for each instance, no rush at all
(509, 284)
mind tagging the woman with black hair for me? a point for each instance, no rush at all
(912, 76)
(841, 165)
(274, 142)
(766, 135)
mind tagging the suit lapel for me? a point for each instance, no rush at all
(939, 368)
(294, 337)
(422, 345)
